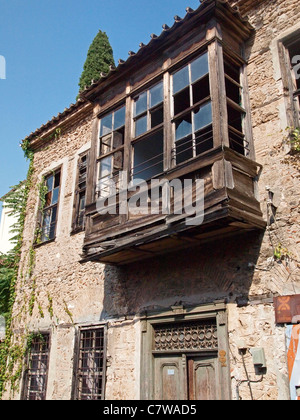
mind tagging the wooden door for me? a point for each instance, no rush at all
(203, 378)
(170, 379)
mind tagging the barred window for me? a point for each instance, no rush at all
(35, 379)
(91, 365)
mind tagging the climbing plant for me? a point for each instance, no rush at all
(11, 352)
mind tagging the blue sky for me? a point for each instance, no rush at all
(45, 43)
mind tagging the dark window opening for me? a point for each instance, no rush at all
(184, 149)
(204, 140)
(90, 375)
(182, 101)
(235, 110)
(148, 156)
(201, 89)
(35, 379)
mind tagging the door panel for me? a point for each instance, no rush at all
(202, 378)
(169, 378)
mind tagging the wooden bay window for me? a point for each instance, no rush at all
(187, 117)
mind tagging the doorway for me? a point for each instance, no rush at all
(186, 377)
(185, 357)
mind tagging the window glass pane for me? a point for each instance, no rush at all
(141, 126)
(55, 195)
(53, 223)
(106, 125)
(46, 225)
(105, 167)
(156, 95)
(203, 116)
(82, 201)
(199, 67)
(118, 138)
(119, 118)
(105, 144)
(118, 161)
(140, 104)
(53, 215)
(183, 127)
(49, 182)
(181, 79)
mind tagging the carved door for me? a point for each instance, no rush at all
(170, 378)
(203, 378)
(186, 361)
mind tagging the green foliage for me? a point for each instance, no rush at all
(12, 353)
(281, 253)
(295, 139)
(7, 273)
(99, 58)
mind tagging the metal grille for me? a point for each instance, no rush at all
(36, 374)
(90, 375)
(186, 336)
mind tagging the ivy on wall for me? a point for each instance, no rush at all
(12, 353)
(17, 275)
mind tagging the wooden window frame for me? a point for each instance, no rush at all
(76, 225)
(39, 228)
(150, 130)
(291, 91)
(25, 394)
(77, 354)
(216, 51)
(190, 110)
(111, 153)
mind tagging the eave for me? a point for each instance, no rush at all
(208, 9)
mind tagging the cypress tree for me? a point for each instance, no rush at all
(99, 58)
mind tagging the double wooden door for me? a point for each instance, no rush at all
(186, 377)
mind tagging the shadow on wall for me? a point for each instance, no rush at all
(223, 269)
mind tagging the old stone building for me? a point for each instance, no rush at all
(147, 306)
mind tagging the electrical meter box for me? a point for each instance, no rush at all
(259, 358)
